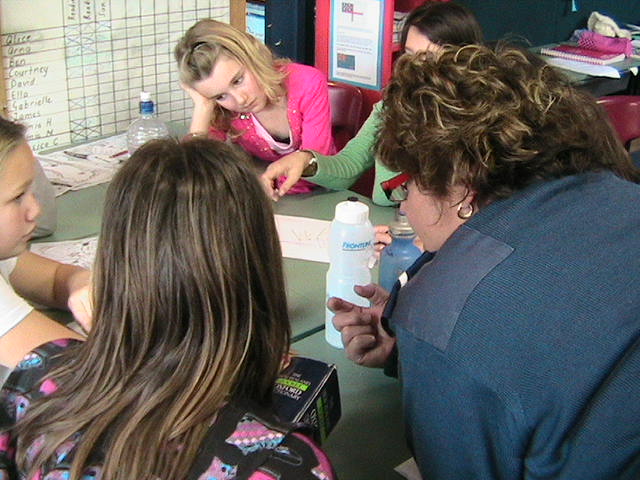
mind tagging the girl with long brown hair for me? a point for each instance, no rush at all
(190, 326)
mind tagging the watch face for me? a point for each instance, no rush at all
(311, 167)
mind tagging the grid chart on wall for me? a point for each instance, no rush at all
(74, 69)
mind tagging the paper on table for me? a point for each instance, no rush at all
(79, 252)
(303, 238)
(85, 165)
(300, 237)
(583, 67)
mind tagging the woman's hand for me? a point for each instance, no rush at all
(382, 239)
(290, 167)
(365, 340)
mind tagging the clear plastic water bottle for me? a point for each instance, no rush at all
(402, 252)
(350, 258)
(147, 126)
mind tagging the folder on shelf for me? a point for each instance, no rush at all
(584, 68)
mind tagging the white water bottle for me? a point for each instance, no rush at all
(147, 126)
(351, 241)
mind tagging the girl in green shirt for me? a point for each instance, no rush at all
(426, 28)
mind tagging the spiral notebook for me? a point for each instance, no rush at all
(581, 54)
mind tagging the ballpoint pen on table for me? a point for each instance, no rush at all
(83, 156)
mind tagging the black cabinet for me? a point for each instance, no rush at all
(546, 21)
(290, 29)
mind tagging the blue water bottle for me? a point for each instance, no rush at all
(402, 252)
(350, 258)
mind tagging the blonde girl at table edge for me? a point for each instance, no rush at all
(243, 94)
(24, 276)
(190, 328)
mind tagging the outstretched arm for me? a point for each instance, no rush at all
(337, 172)
(34, 330)
(340, 171)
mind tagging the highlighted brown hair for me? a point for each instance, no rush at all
(190, 313)
(494, 121)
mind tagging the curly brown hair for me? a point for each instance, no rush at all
(492, 120)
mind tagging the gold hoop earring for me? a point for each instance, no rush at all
(466, 213)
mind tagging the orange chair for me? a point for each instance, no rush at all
(346, 108)
(624, 113)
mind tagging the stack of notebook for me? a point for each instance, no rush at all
(581, 54)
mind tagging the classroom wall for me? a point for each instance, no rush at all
(546, 21)
(74, 69)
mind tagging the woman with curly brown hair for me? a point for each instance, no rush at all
(516, 333)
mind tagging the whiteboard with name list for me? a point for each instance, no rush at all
(74, 69)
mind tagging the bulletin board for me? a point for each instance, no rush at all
(73, 69)
(356, 46)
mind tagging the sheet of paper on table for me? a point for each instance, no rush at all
(303, 238)
(79, 252)
(85, 165)
(300, 238)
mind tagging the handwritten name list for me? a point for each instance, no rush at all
(73, 69)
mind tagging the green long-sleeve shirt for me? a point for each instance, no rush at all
(340, 171)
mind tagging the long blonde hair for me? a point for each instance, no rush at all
(205, 42)
(190, 313)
